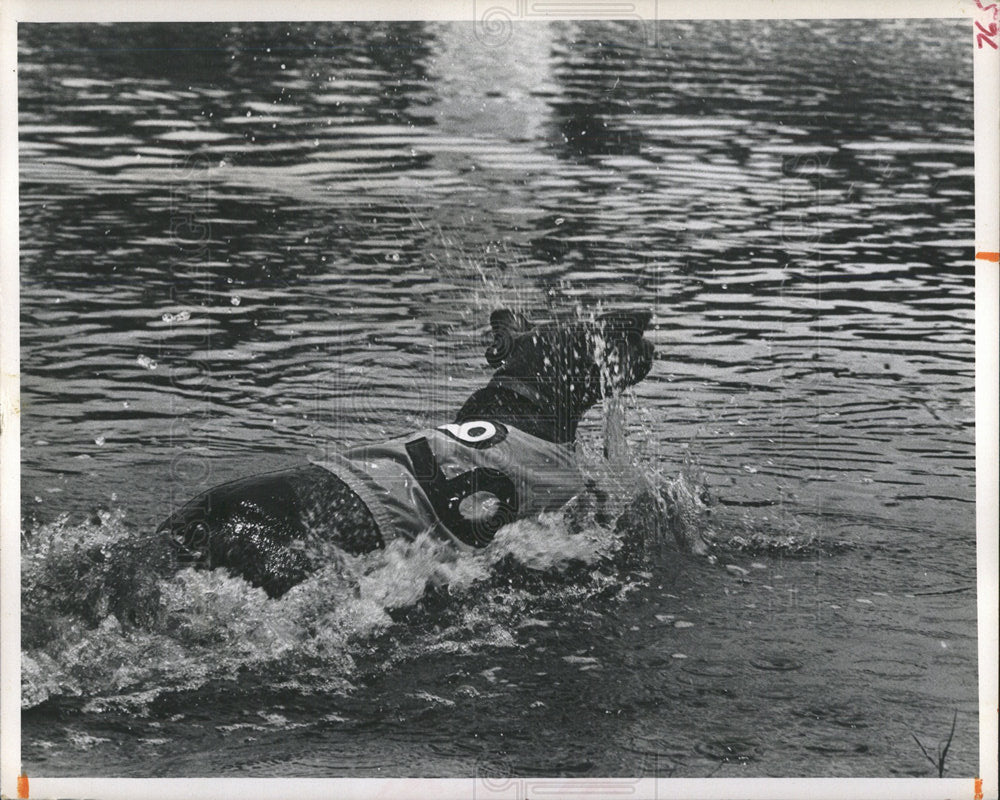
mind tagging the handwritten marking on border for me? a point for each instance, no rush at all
(22, 785)
(986, 255)
(987, 34)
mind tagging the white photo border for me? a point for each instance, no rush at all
(986, 66)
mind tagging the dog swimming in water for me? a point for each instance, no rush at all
(509, 453)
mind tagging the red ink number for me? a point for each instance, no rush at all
(987, 8)
(986, 35)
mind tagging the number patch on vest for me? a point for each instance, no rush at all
(480, 433)
(446, 494)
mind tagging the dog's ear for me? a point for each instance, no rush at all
(506, 325)
(617, 323)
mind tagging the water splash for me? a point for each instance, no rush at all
(107, 622)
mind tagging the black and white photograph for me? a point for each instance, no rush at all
(505, 398)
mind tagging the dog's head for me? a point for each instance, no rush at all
(573, 363)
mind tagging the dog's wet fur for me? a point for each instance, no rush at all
(545, 378)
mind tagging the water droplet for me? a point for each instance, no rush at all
(99, 441)
(234, 300)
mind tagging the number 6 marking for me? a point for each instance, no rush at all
(480, 433)
(471, 432)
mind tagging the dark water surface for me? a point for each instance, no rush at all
(245, 245)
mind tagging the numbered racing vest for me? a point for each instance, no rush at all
(461, 480)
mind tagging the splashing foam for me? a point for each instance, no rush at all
(101, 624)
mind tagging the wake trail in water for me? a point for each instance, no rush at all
(104, 623)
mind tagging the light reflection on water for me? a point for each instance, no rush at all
(244, 244)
